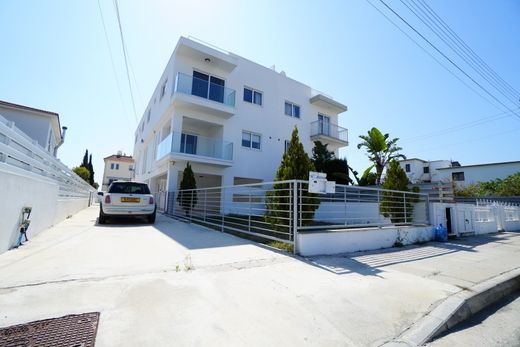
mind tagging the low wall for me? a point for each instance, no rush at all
(365, 239)
(21, 188)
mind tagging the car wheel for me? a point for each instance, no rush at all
(102, 219)
(151, 218)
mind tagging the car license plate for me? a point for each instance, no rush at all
(130, 199)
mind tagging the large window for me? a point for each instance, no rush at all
(426, 169)
(407, 167)
(292, 110)
(252, 96)
(251, 140)
(206, 86)
(163, 89)
(457, 176)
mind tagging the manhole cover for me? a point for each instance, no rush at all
(77, 330)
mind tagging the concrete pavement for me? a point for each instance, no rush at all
(172, 283)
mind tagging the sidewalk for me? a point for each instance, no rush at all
(176, 284)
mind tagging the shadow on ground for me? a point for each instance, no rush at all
(370, 262)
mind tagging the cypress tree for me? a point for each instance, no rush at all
(91, 170)
(187, 199)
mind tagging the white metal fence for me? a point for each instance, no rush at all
(20, 151)
(278, 210)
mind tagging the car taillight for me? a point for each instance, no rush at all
(107, 199)
(151, 200)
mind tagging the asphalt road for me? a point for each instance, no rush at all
(498, 325)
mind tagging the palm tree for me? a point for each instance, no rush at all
(380, 150)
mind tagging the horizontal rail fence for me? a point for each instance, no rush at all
(358, 206)
(278, 210)
(263, 210)
(18, 150)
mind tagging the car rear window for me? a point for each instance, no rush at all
(129, 188)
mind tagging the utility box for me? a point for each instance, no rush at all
(318, 183)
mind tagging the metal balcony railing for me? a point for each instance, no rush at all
(191, 85)
(195, 145)
(324, 128)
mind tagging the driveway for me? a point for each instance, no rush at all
(177, 284)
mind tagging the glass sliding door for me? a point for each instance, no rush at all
(324, 124)
(188, 144)
(216, 89)
(200, 83)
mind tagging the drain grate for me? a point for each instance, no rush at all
(77, 330)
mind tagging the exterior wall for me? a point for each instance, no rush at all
(481, 173)
(469, 218)
(123, 173)
(435, 174)
(268, 120)
(39, 127)
(416, 169)
(354, 240)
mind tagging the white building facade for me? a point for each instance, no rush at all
(229, 117)
(40, 125)
(118, 167)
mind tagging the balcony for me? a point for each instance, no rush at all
(196, 148)
(204, 95)
(327, 132)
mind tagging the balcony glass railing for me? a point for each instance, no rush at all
(206, 89)
(195, 145)
(325, 128)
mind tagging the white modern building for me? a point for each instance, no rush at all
(229, 117)
(40, 125)
(422, 171)
(118, 167)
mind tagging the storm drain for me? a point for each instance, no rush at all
(77, 330)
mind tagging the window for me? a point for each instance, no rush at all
(407, 168)
(252, 96)
(112, 166)
(286, 146)
(323, 124)
(135, 138)
(426, 169)
(208, 87)
(129, 188)
(457, 176)
(163, 89)
(130, 168)
(142, 126)
(292, 109)
(188, 144)
(251, 140)
(148, 117)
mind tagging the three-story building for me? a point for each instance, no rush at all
(229, 117)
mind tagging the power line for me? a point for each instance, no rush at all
(126, 60)
(446, 57)
(112, 58)
(431, 55)
(458, 127)
(457, 49)
(475, 55)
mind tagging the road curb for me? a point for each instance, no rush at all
(457, 308)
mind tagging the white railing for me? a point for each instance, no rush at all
(279, 210)
(17, 150)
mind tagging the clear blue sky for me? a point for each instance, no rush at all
(54, 56)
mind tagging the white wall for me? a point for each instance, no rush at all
(24, 189)
(353, 240)
(481, 173)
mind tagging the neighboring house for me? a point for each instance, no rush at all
(42, 126)
(229, 117)
(464, 175)
(422, 171)
(118, 167)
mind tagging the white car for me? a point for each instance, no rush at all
(127, 199)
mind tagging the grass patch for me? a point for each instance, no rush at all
(281, 245)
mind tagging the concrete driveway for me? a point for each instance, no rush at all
(176, 284)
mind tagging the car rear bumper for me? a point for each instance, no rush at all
(127, 211)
